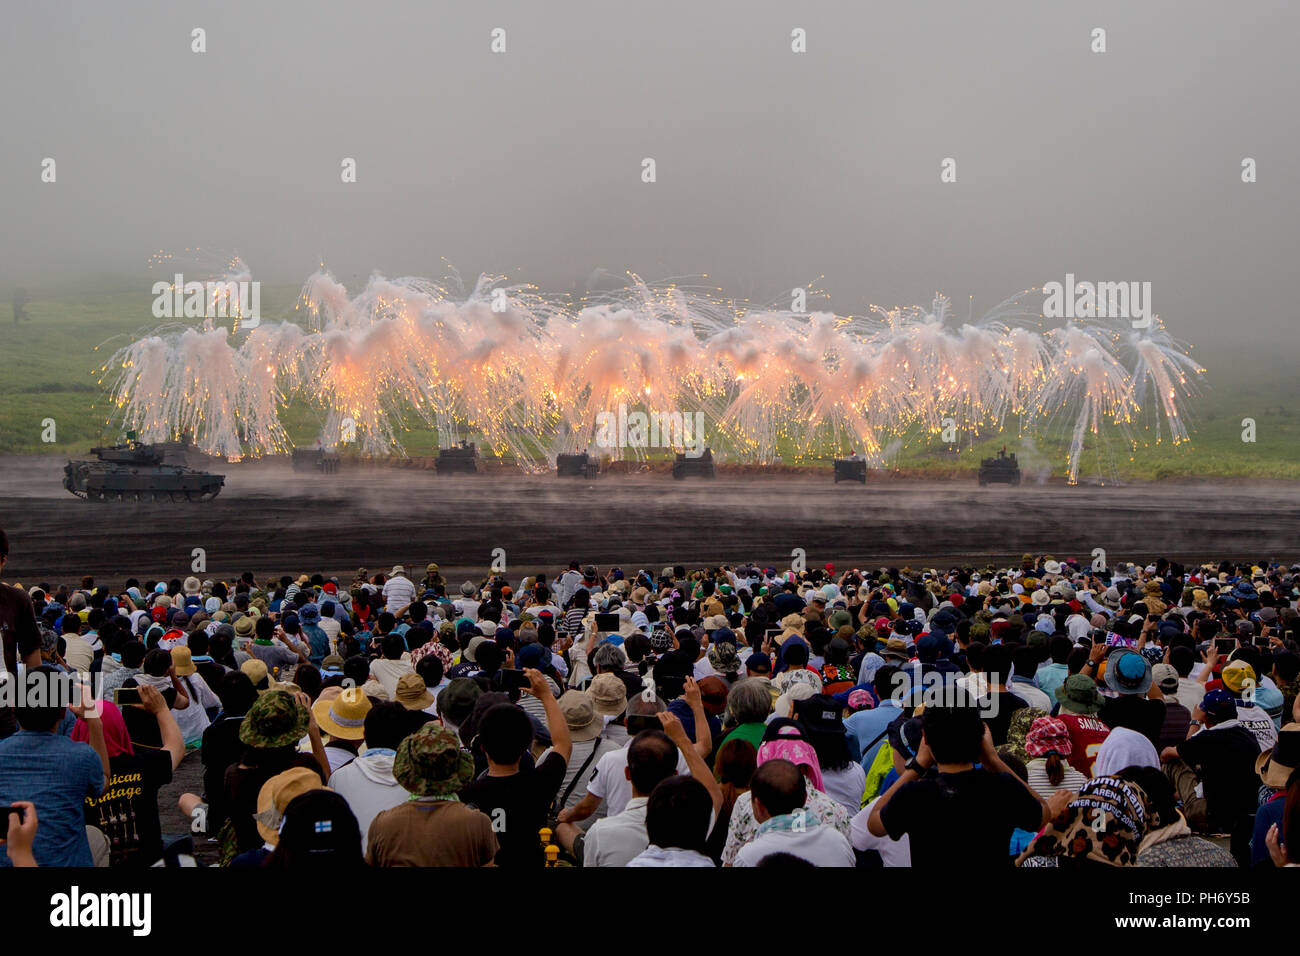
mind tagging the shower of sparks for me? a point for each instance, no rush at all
(531, 373)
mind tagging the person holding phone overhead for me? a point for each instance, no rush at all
(515, 798)
(127, 811)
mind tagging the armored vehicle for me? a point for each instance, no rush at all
(460, 460)
(136, 472)
(685, 466)
(576, 466)
(850, 469)
(315, 459)
(1004, 469)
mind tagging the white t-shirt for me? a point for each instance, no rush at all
(1256, 719)
(820, 845)
(618, 839)
(892, 852)
(609, 781)
(670, 856)
(846, 786)
(398, 592)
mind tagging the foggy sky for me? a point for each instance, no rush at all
(773, 168)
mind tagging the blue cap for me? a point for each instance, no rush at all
(1219, 705)
(531, 654)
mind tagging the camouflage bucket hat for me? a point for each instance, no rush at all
(430, 763)
(274, 720)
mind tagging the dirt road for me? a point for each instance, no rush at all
(272, 520)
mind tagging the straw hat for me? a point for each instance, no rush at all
(608, 694)
(413, 693)
(580, 714)
(343, 716)
(183, 661)
(276, 794)
(1276, 766)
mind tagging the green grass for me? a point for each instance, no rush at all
(51, 363)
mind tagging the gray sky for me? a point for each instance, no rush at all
(773, 168)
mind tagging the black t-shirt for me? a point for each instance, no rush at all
(220, 748)
(18, 633)
(1002, 705)
(517, 805)
(127, 810)
(18, 636)
(963, 819)
(1135, 712)
(1225, 760)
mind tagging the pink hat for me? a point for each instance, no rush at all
(798, 751)
(1047, 735)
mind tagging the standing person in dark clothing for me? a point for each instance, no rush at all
(19, 638)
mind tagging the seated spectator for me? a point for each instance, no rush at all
(779, 792)
(40, 766)
(367, 783)
(318, 832)
(678, 814)
(785, 742)
(127, 810)
(1214, 773)
(270, 731)
(272, 800)
(1049, 746)
(434, 828)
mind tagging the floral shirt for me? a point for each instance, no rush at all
(744, 827)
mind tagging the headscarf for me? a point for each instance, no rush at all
(1124, 748)
(796, 750)
(116, 739)
(1104, 824)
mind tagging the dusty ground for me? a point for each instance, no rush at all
(272, 520)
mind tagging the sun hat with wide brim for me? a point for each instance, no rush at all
(580, 715)
(344, 715)
(1276, 766)
(608, 694)
(1128, 672)
(274, 720)
(412, 692)
(431, 763)
(276, 794)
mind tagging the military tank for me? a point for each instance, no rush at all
(1004, 469)
(136, 472)
(315, 459)
(851, 469)
(460, 460)
(576, 466)
(686, 466)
